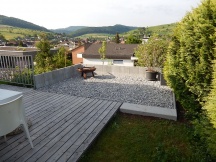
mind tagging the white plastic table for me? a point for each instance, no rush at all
(8, 95)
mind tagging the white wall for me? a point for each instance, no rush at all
(107, 62)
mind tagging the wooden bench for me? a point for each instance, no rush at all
(86, 70)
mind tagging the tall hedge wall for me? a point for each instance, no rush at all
(189, 69)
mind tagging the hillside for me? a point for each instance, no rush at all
(107, 30)
(68, 30)
(10, 32)
(15, 22)
(165, 29)
(162, 29)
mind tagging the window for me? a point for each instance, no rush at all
(117, 62)
(79, 55)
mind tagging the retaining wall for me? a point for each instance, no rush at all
(123, 70)
(55, 76)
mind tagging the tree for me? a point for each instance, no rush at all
(2, 38)
(210, 119)
(20, 44)
(60, 58)
(117, 38)
(131, 39)
(190, 55)
(188, 70)
(152, 53)
(43, 59)
(141, 32)
(102, 51)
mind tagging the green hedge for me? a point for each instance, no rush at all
(208, 122)
(188, 68)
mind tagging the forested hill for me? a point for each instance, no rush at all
(68, 30)
(15, 22)
(107, 30)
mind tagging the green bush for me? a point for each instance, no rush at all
(24, 77)
(46, 61)
(190, 55)
(152, 53)
(208, 122)
(60, 59)
(188, 69)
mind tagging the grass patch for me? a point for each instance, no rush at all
(136, 138)
(165, 29)
(96, 36)
(10, 32)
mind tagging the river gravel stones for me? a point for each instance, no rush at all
(116, 88)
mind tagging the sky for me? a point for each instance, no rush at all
(53, 14)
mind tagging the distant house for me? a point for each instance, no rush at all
(77, 53)
(18, 51)
(21, 51)
(116, 54)
(7, 53)
(145, 39)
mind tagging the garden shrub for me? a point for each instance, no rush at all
(23, 76)
(208, 122)
(46, 61)
(152, 53)
(188, 69)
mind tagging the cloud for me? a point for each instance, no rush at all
(57, 14)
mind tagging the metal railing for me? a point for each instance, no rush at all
(17, 69)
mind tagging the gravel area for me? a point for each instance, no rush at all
(123, 89)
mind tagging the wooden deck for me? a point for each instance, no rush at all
(63, 126)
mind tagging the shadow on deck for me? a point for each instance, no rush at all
(63, 126)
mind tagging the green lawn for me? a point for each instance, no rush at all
(144, 139)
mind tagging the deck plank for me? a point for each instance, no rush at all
(36, 126)
(91, 137)
(52, 139)
(40, 137)
(63, 126)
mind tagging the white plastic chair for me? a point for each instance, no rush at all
(12, 115)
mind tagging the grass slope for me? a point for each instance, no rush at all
(13, 32)
(162, 29)
(165, 29)
(136, 138)
(96, 36)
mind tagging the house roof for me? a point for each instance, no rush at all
(86, 45)
(15, 48)
(113, 51)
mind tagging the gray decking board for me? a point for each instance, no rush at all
(92, 135)
(62, 125)
(37, 140)
(76, 133)
(33, 130)
(33, 127)
(66, 141)
(34, 98)
(54, 138)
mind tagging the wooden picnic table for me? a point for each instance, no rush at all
(86, 70)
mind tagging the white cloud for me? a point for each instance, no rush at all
(56, 14)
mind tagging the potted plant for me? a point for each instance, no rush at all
(151, 54)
